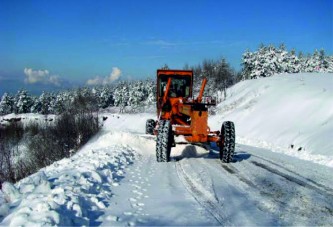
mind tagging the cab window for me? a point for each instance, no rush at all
(180, 86)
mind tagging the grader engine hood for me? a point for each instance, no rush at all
(185, 109)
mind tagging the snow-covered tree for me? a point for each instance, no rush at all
(268, 60)
(23, 102)
(315, 61)
(137, 94)
(35, 108)
(247, 63)
(150, 88)
(52, 99)
(329, 60)
(61, 102)
(293, 62)
(323, 61)
(84, 101)
(105, 97)
(45, 101)
(6, 104)
(121, 95)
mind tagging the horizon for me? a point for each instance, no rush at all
(46, 45)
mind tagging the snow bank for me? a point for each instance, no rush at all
(76, 190)
(69, 192)
(289, 113)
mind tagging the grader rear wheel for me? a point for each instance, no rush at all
(227, 146)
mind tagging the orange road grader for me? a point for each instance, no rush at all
(179, 114)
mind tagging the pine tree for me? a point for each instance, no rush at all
(62, 102)
(224, 77)
(247, 63)
(45, 101)
(316, 62)
(323, 61)
(294, 65)
(329, 60)
(35, 108)
(150, 89)
(52, 101)
(23, 102)
(282, 65)
(6, 104)
(121, 96)
(105, 97)
(301, 61)
(137, 95)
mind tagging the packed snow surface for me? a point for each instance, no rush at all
(115, 179)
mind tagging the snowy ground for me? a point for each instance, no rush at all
(115, 179)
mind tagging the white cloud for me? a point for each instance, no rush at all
(55, 80)
(96, 81)
(40, 76)
(114, 75)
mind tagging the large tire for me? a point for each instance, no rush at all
(150, 125)
(227, 147)
(164, 141)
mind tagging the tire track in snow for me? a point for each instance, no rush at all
(322, 189)
(325, 188)
(232, 170)
(291, 178)
(211, 205)
(276, 195)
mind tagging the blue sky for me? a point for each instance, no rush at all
(48, 43)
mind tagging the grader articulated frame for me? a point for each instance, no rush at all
(178, 113)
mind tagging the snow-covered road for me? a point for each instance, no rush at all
(259, 188)
(115, 180)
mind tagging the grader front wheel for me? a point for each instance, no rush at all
(164, 141)
(227, 146)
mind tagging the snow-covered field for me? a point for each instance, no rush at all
(115, 180)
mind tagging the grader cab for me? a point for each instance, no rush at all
(179, 114)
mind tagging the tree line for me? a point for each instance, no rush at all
(133, 94)
(136, 95)
(269, 60)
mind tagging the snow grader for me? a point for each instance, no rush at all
(179, 114)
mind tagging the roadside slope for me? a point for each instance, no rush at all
(290, 113)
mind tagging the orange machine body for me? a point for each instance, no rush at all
(175, 102)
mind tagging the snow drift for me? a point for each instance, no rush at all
(288, 113)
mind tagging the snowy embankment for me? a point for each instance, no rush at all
(289, 113)
(73, 191)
